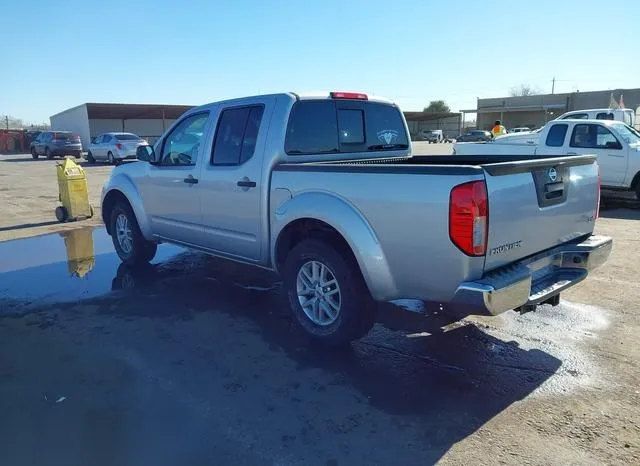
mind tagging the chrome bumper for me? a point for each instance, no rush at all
(533, 280)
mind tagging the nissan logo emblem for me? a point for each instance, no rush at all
(553, 174)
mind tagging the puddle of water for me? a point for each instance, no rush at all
(563, 332)
(62, 267)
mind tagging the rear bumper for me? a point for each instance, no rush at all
(71, 150)
(533, 280)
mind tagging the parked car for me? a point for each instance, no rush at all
(475, 136)
(291, 183)
(616, 145)
(56, 144)
(114, 147)
(431, 135)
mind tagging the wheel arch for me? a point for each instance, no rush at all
(125, 192)
(334, 220)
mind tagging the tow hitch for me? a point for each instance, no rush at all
(553, 301)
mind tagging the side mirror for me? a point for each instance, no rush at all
(613, 145)
(146, 154)
(93, 140)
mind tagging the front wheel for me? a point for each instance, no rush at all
(90, 158)
(132, 248)
(34, 154)
(327, 294)
(47, 154)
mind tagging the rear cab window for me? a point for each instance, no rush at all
(344, 126)
(577, 116)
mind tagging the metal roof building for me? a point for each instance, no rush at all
(535, 110)
(90, 119)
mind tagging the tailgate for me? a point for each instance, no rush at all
(535, 205)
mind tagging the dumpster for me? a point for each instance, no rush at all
(74, 195)
(80, 254)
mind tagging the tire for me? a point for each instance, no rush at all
(61, 214)
(354, 315)
(90, 158)
(136, 250)
(34, 154)
(47, 154)
(110, 159)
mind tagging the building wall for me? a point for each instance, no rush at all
(568, 102)
(450, 126)
(75, 119)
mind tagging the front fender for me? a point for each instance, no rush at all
(121, 183)
(351, 224)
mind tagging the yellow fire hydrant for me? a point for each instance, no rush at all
(74, 195)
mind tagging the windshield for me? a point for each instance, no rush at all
(627, 133)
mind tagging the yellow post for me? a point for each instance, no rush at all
(74, 194)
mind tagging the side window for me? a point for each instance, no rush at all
(577, 116)
(236, 135)
(604, 116)
(593, 137)
(556, 135)
(105, 139)
(182, 144)
(312, 128)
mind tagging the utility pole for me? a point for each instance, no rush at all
(553, 85)
(6, 121)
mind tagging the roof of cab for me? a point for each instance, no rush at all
(319, 95)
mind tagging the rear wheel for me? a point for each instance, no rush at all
(47, 154)
(34, 154)
(132, 248)
(327, 294)
(61, 214)
(110, 159)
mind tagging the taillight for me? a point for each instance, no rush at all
(349, 95)
(469, 217)
(119, 146)
(598, 204)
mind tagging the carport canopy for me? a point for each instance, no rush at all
(98, 111)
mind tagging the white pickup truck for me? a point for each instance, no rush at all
(616, 144)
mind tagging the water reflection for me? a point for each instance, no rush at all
(79, 247)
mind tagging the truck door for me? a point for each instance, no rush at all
(232, 185)
(592, 138)
(170, 191)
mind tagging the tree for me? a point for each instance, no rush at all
(14, 123)
(437, 106)
(524, 90)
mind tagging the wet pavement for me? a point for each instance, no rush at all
(193, 360)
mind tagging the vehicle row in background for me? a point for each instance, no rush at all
(114, 147)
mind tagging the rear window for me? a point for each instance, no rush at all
(328, 126)
(126, 137)
(63, 136)
(556, 135)
(577, 116)
(604, 116)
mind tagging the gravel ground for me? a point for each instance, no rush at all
(194, 361)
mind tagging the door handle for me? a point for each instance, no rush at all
(190, 180)
(246, 183)
(572, 153)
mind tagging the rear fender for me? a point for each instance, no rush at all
(351, 224)
(123, 184)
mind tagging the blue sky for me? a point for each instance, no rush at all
(59, 54)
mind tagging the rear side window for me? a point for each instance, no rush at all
(328, 126)
(556, 135)
(236, 135)
(593, 137)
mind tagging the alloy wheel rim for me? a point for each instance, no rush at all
(124, 234)
(318, 293)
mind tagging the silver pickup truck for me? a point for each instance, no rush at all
(323, 189)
